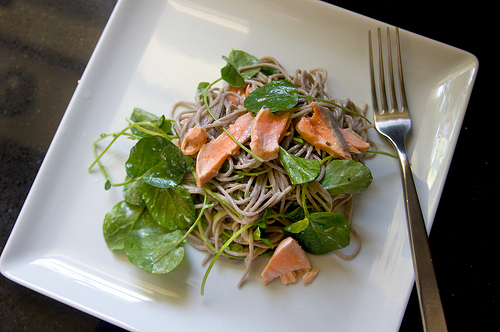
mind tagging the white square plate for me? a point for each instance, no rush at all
(155, 53)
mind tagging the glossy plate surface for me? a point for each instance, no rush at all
(153, 54)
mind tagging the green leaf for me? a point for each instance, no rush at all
(300, 170)
(297, 226)
(279, 95)
(297, 214)
(232, 75)
(146, 220)
(132, 192)
(202, 86)
(237, 59)
(158, 161)
(325, 232)
(346, 177)
(140, 115)
(173, 208)
(268, 71)
(154, 250)
(118, 222)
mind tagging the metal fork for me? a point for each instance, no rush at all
(395, 123)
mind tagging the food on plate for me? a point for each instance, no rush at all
(261, 163)
(287, 259)
(195, 138)
(213, 154)
(322, 131)
(268, 130)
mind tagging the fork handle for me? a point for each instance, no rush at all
(428, 293)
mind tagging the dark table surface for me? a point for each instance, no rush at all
(45, 46)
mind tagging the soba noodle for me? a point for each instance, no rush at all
(245, 187)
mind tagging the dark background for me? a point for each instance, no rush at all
(45, 46)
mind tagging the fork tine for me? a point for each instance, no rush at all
(384, 102)
(372, 75)
(383, 94)
(394, 101)
(404, 102)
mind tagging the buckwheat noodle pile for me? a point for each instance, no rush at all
(249, 186)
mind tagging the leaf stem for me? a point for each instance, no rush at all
(303, 197)
(140, 126)
(97, 157)
(123, 183)
(221, 250)
(223, 202)
(383, 153)
(336, 105)
(94, 145)
(200, 214)
(324, 160)
(254, 173)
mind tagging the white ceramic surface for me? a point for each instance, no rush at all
(155, 53)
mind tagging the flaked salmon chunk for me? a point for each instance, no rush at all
(288, 257)
(322, 131)
(355, 142)
(267, 131)
(288, 278)
(309, 276)
(213, 154)
(195, 138)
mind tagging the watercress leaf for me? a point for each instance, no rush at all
(249, 73)
(202, 86)
(172, 208)
(256, 234)
(262, 225)
(300, 170)
(280, 95)
(140, 115)
(158, 161)
(154, 250)
(241, 59)
(297, 214)
(237, 59)
(146, 220)
(132, 192)
(268, 242)
(346, 177)
(232, 75)
(118, 222)
(235, 247)
(326, 232)
(188, 160)
(297, 226)
(268, 71)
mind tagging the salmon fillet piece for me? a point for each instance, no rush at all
(355, 142)
(267, 131)
(195, 138)
(213, 154)
(322, 131)
(288, 257)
